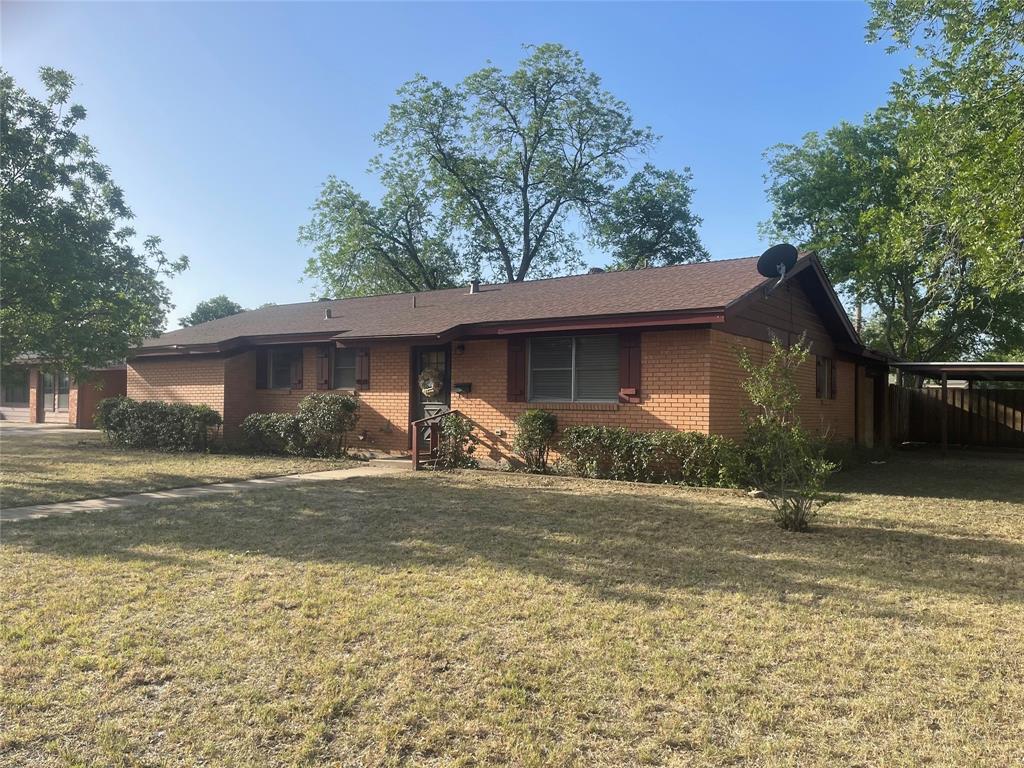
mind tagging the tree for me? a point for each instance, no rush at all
(648, 221)
(886, 233)
(492, 174)
(513, 154)
(76, 292)
(211, 309)
(365, 249)
(966, 106)
(782, 459)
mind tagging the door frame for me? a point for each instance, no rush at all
(413, 393)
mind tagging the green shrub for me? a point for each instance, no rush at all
(325, 420)
(172, 427)
(781, 458)
(616, 453)
(273, 433)
(456, 443)
(318, 429)
(534, 430)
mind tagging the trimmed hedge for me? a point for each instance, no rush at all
(318, 429)
(171, 427)
(616, 453)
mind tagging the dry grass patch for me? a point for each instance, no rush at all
(488, 619)
(46, 466)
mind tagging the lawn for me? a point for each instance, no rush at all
(482, 618)
(44, 466)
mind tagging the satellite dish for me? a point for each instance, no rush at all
(777, 260)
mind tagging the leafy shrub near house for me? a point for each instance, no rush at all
(616, 453)
(456, 443)
(319, 428)
(325, 420)
(534, 430)
(151, 424)
(273, 433)
(781, 458)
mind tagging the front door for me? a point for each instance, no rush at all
(431, 394)
(56, 387)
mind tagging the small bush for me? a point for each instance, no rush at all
(534, 430)
(456, 445)
(273, 433)
(781, 458)
(318, 429)
(616, 453)
(172, 427)
(325, 420)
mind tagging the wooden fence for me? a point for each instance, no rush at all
(982, 417)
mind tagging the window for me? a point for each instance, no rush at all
(59, 382)
(581, 368)
(279, 369)
(825, 381)
(15, 386)
(344, 369)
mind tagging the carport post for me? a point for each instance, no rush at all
(945, 415)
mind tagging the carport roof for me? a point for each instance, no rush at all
(969, 370)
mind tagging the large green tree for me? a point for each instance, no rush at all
(399, 245)
(919, 211)
(648, 222)
(76, 292)
(498, 174)
(211, 309)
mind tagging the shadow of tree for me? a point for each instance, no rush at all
(617, 541)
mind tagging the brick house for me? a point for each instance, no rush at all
(646, 349)
(30, 394)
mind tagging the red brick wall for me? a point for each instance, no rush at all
(197, 381)
(673, 392)
(85, 395)
(832, 417)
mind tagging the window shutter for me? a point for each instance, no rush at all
(262, 378)
(629, 367)
(323, 368)
(516, 373)
(817, 377)
(363, 369)
(297, 371)
(832, 378)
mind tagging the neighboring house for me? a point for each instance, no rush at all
(646, 349)
(28, 394)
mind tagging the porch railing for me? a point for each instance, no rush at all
(426, 459)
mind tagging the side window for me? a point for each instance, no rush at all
(279, 369)
(825, 378)
(344, 369)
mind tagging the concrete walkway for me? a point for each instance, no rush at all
(372, 469)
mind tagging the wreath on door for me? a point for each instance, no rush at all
(431, 382)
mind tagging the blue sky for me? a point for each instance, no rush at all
(221, 120)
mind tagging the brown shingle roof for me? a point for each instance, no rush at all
(706, 286)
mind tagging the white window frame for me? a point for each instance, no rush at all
(572, 373)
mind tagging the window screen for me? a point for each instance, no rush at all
(597, 368)
(582, 368)
(274, 368)
(551, 369)
(344, 369)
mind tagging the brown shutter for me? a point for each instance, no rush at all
(262, 366)
(323, 368)
(516, 372)
(629, 367)
(832, 378)
(362, 369)
(297, 370)
(817, 377)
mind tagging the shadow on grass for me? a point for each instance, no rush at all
(616, 541)
(968, 475)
